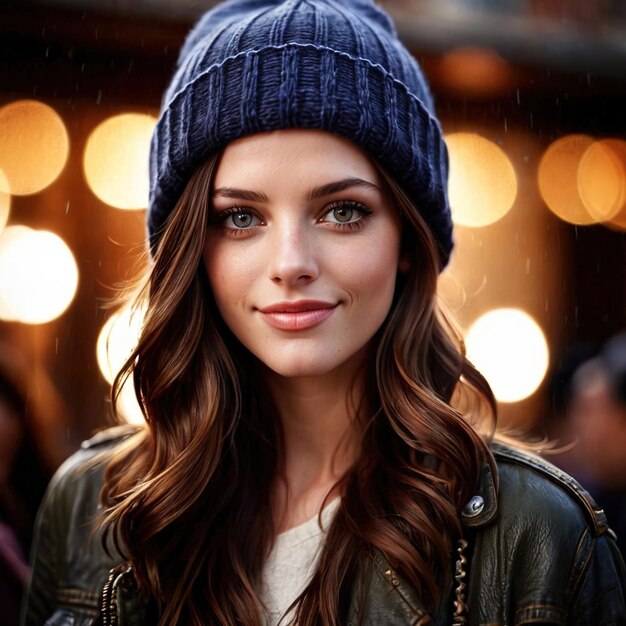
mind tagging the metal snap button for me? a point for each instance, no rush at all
(474, 507)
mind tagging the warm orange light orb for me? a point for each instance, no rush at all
(127, 405)
(34, 146)
(619, 221)
(5, 201)
(482, 184)
(38, 275)
(116, 341)
(602, 178)
(475, 71)
(115, 161)
(558, 179)
(509, 348)
(7, 237)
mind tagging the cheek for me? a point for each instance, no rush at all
(373, 268)
(230, 274)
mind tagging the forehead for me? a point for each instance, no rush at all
(296, 155)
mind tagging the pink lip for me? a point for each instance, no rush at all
(298, 315)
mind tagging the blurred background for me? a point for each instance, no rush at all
(532, 98)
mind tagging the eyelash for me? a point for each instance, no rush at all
(222, 216)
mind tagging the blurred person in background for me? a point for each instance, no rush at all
(597, 425)
(24, 475)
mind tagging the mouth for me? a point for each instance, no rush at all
(298, 315)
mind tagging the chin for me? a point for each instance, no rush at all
(302, 368)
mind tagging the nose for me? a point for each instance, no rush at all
(292, 257)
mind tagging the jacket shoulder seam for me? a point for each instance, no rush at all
(512, 456)
(110, 437)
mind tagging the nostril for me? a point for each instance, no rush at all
(284, 278)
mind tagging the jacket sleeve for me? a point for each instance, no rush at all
(598, 598)
(69, 563)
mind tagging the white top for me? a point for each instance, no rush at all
(291, 564)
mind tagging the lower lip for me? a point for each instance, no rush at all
(298, 320)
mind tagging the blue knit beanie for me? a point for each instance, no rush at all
(337, 65)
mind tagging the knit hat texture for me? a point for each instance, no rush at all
(258, 65)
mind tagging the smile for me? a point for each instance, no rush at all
(298, 315)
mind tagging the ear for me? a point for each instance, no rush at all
(404, 264)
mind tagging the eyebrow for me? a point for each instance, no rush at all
(240, 194)
(317, 192)
(340, 185)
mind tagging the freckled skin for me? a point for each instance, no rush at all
(291, 247)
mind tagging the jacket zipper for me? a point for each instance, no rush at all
(108, 607)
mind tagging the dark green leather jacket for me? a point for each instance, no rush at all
(540, 553)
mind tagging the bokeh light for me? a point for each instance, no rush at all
(475, 71)
(117, 339)
(602, 178)
(115, 161)
(34, 146)
(509, 348)
(7, 237)
(5, 201)
(38, 275)
(619, 221)
(451, 291)
(558, 179)
(483, 184)
(127, 405)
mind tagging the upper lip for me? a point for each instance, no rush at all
(297, 306)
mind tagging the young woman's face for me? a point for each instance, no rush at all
(302, 249)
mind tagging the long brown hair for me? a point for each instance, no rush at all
(188, 498)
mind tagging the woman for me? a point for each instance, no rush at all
(317, 446)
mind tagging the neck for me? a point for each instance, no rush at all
(319, 419)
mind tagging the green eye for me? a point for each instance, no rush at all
(241, 219)
(343, 214)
